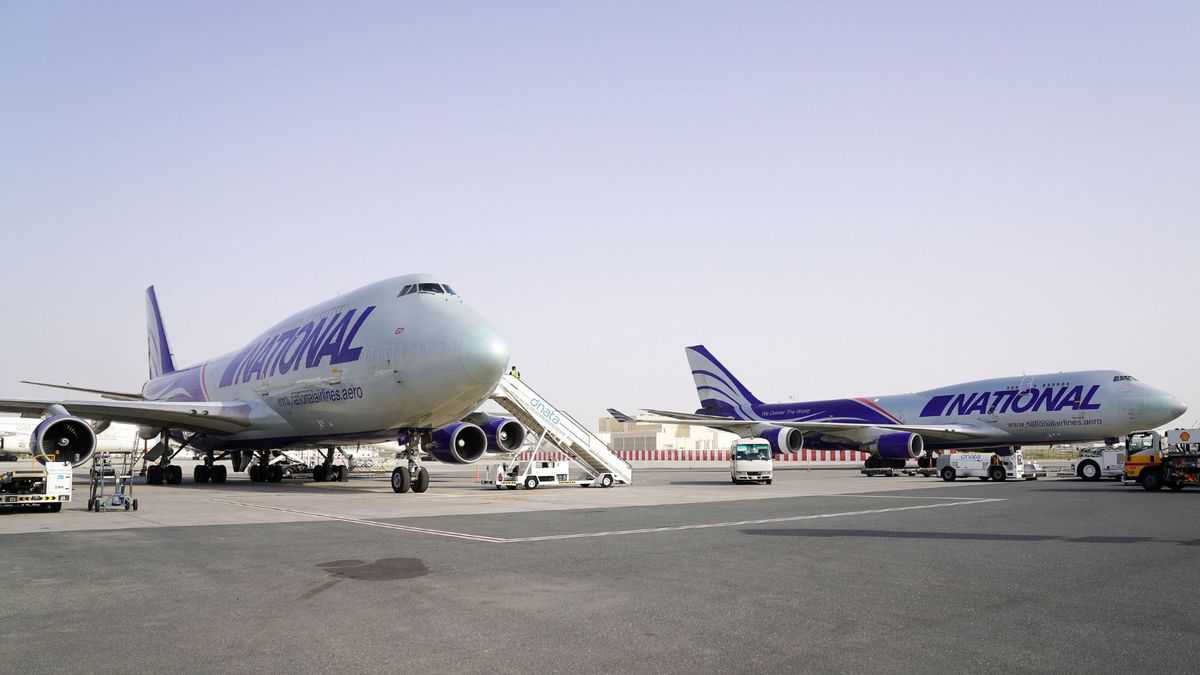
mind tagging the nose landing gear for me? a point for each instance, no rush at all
(412, 474)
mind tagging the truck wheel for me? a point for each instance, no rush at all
(1152, 481)
(768, 481)
(1175, 486)
(1089, 471)
(997, 474)
(607, 481)
(949, 474)
(135, 505)
(55, 507)
(531, 483)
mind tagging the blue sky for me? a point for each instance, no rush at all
(838, 200)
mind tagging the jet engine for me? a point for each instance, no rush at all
(897, 445)
(782, 439)
(503, 434)
(62, 438)
(457, 443)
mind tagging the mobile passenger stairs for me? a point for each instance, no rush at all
(601, 466)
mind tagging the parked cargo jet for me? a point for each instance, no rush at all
(1081, 406)
(399, 360)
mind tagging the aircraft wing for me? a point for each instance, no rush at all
(947, 432)
(104, 393)
(221, 418)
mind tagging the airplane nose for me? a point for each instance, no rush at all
(484, 355)
(1176, 408)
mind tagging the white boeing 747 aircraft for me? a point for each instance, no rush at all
(1089, 405)
(403, 359)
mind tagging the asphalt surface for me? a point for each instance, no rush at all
(1047, 576)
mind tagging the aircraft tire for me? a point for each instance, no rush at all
(1174, 486)
(154, 475)
(400, 480)
(174, 474)
(219, 473)
(421, 482)
(342, 474)
(275, 473)
(201, 474)
(319, 474)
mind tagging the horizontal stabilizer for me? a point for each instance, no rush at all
(104, 393)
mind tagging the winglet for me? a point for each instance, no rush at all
(161, 362)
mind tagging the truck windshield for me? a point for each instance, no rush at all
(752, 452)
(1139, 443)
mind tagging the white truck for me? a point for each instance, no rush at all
(987, 466)
(1098, 462)
(533, 474)
(750, 461)
(29, 483)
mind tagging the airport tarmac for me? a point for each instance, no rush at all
(823, 571)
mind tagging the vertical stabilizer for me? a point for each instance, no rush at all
(720, 392)
(161, 362)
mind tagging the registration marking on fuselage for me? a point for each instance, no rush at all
(470, 536)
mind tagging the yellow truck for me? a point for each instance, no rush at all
(1154, 461)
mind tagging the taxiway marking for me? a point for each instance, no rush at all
(469, 536)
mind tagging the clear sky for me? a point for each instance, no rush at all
(836, 198)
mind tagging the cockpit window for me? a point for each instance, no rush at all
(430, 288)
(448, 289)
(1124, 378)
(411, 288)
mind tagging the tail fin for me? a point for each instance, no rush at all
(620, 416)
(720, 392)
(161, 362)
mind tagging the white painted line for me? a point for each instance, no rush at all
(739, 523)
(586, 535)
(372, 523)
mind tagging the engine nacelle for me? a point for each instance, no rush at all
(62, 438)
(503, 434)
(782, 439)
(898, 445)
(457, 443)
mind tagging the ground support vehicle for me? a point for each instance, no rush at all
(987, 466)
(1097, 463)
(27, 482)
(111, 481)
(1154, 461)
(534, 474)
(750, 461)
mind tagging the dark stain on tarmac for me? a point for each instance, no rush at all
(384, 569)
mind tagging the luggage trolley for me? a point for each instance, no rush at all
(112, 473)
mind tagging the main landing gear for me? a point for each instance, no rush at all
(412, 474)
(327, 471)
(164, 471)
(209, 471)
(263, 471)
